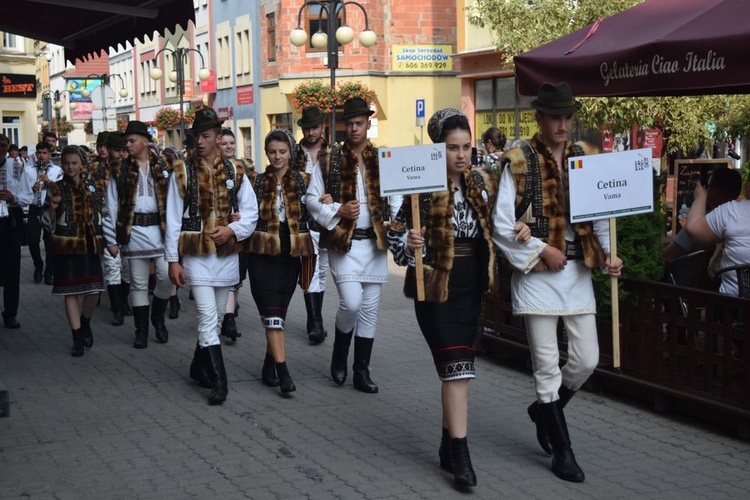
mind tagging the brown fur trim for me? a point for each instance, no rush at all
(80, 211)
(483, 201)
(266, 241)
(440, 239)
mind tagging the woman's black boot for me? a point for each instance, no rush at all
(77, 350)
(268, 372)
(88, 336)
(286, 384)
(463, 472)
(198, 371)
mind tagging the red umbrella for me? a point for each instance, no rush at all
(657, 48)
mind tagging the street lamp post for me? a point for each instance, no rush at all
(331, 38)
(180, 56)
(104, 80)
(54, 98)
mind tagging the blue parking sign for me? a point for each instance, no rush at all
(420, 108)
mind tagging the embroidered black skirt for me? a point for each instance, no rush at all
(77, 274)
(451, 328)
(273, 280)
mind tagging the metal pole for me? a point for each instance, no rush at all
(179, 54)
(333, 56)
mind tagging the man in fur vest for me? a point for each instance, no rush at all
(136, 200)
(552, 272)
(344, 199)
(211, 207)
(306, 161)
(107, 164)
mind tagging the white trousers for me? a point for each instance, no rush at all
(318, 282)
(112, 267)
(139, 271)
(210, 301)
(358, 308)
(583, 353)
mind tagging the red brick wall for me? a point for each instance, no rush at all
(394, 21)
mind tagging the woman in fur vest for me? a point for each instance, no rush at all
(280, 239)
(74, 218)
(459, 263)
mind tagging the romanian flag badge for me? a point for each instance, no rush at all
(385, 154)
(576, 164)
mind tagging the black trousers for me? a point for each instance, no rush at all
(34, 231)
(11, 237)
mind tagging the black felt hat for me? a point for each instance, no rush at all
(101, 138)
(555, 99)
(205, 118)
(115, 140)
(311, 116)
(139, 128)
(356, 106)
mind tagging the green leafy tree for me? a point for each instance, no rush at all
(518, 26)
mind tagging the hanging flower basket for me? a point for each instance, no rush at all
(317, 93)
(65, 127)
(122, 123)
(167, 118)
(347, 90)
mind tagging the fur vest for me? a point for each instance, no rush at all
(79, 215)
(339, 169)
(436, 216)
(210, 196)
(127, 193)
(300, 159)
(542, 199)
(102, 171)
(265, 239)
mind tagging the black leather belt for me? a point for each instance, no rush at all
(573, 250)
(363, 234)
(465, 247)
(146, 220)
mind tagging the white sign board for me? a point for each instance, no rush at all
(412, 169)
(610, 185)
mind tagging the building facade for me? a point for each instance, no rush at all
(19, 88)
(411, 60)
(488, 91)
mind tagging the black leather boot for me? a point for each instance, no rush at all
(286, 384)
(361, 376)
(115, 300)
(314, 305)
(444, 452)
(229, 327)
(88, 336)
(140, 318)
(564, 463)
(198, 371)
(158, 308)
(463, 472)
(174, 307)
(78, 349)
(534, 414)
(126, 309)
(340, 356)
(268, 372)
(215, 365)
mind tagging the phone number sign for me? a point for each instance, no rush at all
(611, 185)
(425, 58)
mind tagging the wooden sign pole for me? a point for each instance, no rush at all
(615, 296)
(418, 270)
